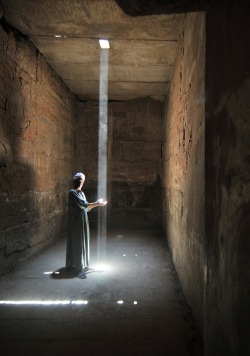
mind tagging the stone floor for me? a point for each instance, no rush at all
(132, 306)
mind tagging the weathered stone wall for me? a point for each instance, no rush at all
(227, 179)
(184, 183)
(36, 149)
(136, 155)
(87, 140)
(134, 159)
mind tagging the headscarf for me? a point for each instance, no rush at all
(79, 175)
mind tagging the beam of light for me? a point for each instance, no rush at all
(43, 302)
(102, 154)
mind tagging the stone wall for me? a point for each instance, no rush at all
(37, 114)
(134, 159)
(136, 155)
(184, 180)
(227, 179)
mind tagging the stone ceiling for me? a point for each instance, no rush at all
(141, 56)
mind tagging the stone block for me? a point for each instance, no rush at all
(134, 151)
(136, 172)
(142, 121)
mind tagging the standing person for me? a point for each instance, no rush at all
(77, 253)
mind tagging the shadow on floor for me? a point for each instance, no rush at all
(67, 273)
(64, 273)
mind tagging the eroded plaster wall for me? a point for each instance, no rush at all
(134, 159)
(227, 179)
(37, 114)
(183, 173)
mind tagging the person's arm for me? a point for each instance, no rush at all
(97, 203)
(78, 200)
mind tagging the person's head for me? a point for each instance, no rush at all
(79, 179)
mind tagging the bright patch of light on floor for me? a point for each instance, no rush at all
(51, 272)
(119, 301)
(35, 302)
(79, 302)
(43, 302)
(136, 255)
(124, 255)
(102, 268)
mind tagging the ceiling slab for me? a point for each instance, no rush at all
(140, 89)
(78, 50)
(123, 73)
(150, 7)
(141, 55)
(87, 18)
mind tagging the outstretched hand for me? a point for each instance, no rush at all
(101, 202)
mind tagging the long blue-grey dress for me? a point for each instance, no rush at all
(77, 253)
